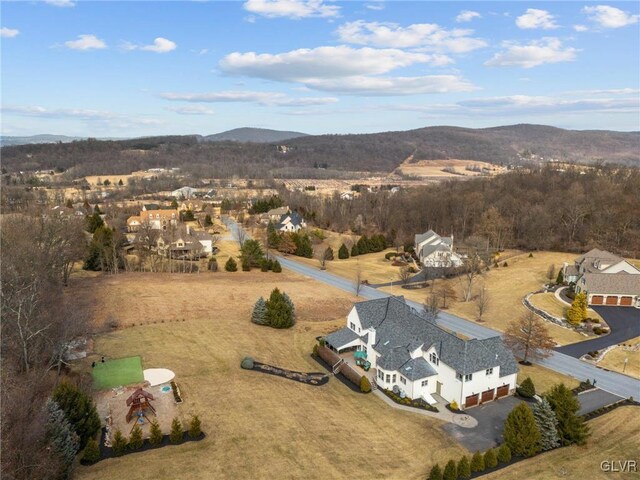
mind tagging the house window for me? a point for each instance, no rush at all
(434, 358)
(352, 326)
(388, 378)
(425, 382)
(458, 376)
(380, 375)
(467, 378)
(402, 379)
(489, 371)
(394, 378)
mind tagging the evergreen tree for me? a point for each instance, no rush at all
(174, 204)
(490, 460)
(231, 265)
(277, 268)
(521, 432)
(119, 443)
(464, 470)
(91, 453)
(560, 278)
(354, 250)
(477, 463)
(195, 427)
(176, 434)
(78, 409)
(578, 310)
(364, 245)
(303, 245)
(289, 302)
(526, 388)
(135, 439)
(246, 265)
(450, 471)
(435, 473)
(571, 427)
(279, 312)
(69, 203)
(156, 436)
(120, 183)
(61, 435)
(504, 453)
(328, 254)
(343, 253)
(93, 222)
(207, 220)
(251, 252)
(547, 425)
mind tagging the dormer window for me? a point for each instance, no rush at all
(434, 358)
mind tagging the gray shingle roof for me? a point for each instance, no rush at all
(394, 359)
(622, 283)
(417, 369)
(341, 337)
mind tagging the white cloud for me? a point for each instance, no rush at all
(60, 3)
(535, 53)
(428, 35)
(295, 9)
(580, 28)
(535, 18)
(321, 62)
(375, 6)
(191, 110)
(467, 16)
(86, 42)
(262, 98)
(160, 45)
(610, 17)
(392, 86)
(8, 32)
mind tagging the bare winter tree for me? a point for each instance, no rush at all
(551, 272)
(323, 257)
(432, 306)
(482, 303)
(146, 245)
(528, 337)
(357, 280)
(446, 293)
(240, 234)
(472, 269)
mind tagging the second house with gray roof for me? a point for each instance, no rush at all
(411, 354)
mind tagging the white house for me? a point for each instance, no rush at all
(290, 222)
(183, 192)
(413, 354)
(436, 251)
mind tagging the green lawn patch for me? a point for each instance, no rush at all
(116, 372)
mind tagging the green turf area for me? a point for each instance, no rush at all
(120, 371)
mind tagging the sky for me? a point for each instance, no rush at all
(125, 69)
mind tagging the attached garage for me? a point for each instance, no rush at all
(597, 300)
(626, 301)
(612, 300)
(471, 401)
(487, 396)
(502, 391)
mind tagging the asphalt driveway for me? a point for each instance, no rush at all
(624, 323)
(595, 399)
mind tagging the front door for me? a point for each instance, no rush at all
(438, 387)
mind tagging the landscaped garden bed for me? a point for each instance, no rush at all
(406, 401)
(312, 378)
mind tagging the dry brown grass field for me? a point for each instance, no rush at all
(543, 378)
(630, 351)
(434, 168)
(258, 426)
(615, 437)
(550, 304)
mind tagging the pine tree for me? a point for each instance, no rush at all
(464, 470)
(135, 438)
(343, 253)
(354, 250)
(490, 460)
(231, 265)
(91, 453)
(79, 410)
(547, 425)
(578, 310)
(435, 473)
(119, 443)
(195, 427)
(504, 453)
(328, 254)
(259, 314)
(289, 302)
(571, 427)
(176, 434)
(277, 268)
(560, 278)
(526, 388)
(477, 463)
(156, 436)
(450, 471)
(279, 312)
(60, 433)
(521, 432)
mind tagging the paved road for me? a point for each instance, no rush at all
(595, 399)
(612, 382)
(624, 323)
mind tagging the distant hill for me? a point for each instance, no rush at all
(254, 135)
(7, 141)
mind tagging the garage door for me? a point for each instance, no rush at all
(502, 391)
(612, 300)
(471, 401)
(597, 300)
(626, 301)
(487, 396)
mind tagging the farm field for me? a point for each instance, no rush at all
(258, 426)
(435, 168)
(614, 437)
(614, 359)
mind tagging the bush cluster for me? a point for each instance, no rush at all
(277, 312)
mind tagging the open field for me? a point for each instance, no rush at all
(457, 168)
(259, 426)
(614, 359)
(543, 378)
(550, 304)
(615, 438)
(117, 371)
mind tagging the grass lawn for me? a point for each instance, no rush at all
(117, 372)
(614, 359)
(550, 304)
(259, 426)
(544, 378)
(614, 437)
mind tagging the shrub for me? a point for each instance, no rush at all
(277, 268)
(315, 351)
(119, 443)
(531, 255)
(477, 463)
(247, 363)
(435, 473)
(135, 439)
(464, 470)
(213, 264)
(526, 388)
(354, 250)
(597, 330)
(450, 471)
(343, 252)
(156, 435)
(79, 410)
(365, 385)
(264, 266)
(490, 460)
(504, 453)
(578, 310)
(454, 405)
(390, 255)
(231, 265)
(176, 434)
(505, 264)
(246, 265)
(195, 427)
(91, 453)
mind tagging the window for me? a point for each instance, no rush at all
(458, 376)
(402, 379)
(394, 378)
(489, 371)
(352, 326)
(425, 382)
(467, 378)
(434, 358)
(380, 375)
(388, 378)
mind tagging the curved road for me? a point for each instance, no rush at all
(612, 382)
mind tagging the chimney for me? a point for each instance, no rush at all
(188, 230)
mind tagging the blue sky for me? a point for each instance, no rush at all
(144, 68)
